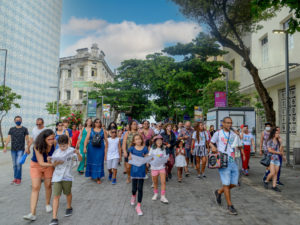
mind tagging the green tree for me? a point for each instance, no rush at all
(128, 93)
(259, 6)
(229, 21)
(64, 110)
(194, 72)
(8, 100)
(235, 98)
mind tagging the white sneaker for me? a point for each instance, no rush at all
(152, 185)
(154, 198)
(163, 199)
(29, 217)
(146, 177)
(48, 208)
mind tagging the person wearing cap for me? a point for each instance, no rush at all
(248, 141)
(158, 150)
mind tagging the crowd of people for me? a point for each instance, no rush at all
(181, 145)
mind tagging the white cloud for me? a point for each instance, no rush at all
(127, 40)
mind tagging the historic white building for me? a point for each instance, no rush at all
(79, 70)
(267, 52)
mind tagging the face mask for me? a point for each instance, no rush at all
(19, 123)
(268, 128)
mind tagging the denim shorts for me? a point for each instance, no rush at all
(188, 152)
(229, 175)
(275, 162)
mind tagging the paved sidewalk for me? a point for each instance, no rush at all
(191, 202)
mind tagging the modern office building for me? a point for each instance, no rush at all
(30, 31)
(86, 67)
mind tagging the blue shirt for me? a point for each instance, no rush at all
(138, 172)
(34, 159)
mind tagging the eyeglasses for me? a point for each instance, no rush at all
(228, 122)
(39, 124)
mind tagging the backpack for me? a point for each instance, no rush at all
(96, 141)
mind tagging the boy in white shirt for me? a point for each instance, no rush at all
(62, 177)
(113, 155)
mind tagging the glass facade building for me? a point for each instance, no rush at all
(30, 31)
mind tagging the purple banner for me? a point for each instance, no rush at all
(220, 99)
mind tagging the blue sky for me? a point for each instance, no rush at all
(123, 29)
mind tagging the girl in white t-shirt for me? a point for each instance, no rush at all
(200, 148)
(157, 150)
(113, 155)
(180, 161)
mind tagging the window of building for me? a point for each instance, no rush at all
(81, 71)
(69, 73)
(94, 72)
(68, 95)
(291, 36)
(80, 94)
(232, 63)
(282, 110)
(265, 49)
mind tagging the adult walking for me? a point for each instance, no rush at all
(17, 135)
(224, 138)
(275, 150)
(41, 168)
(127, 141)
(60, 130)
(170, 142)
(159, 129)
(263, 149)
(147, 133)
(39, 128)
(200, 148)
(96, 143)
(248, 141)
(75, 135)
(186, 134)
(80, 144)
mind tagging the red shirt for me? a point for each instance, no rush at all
(75, 135)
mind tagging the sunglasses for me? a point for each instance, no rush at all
(39, 124)
(97, 122)
(113, 132)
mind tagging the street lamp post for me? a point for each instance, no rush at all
(4, 72)
(57, 97)
(287, 92)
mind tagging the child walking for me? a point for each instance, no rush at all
(180, 161)
(137, 173)
(62, 177)
(159, 151)
(113, 155)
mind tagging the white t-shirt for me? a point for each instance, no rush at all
(36, 132)
(247, 138)
(113, 148)
(63, 172)
(220, 138)
(159, 153)
(203, 136)
(156, 131)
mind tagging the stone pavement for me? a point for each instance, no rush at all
(191, 202)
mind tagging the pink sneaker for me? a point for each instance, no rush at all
(138, 210)
(133, 199)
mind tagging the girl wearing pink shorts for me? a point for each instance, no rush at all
(159, 151)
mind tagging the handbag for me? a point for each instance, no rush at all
(265, 161)
(218, 160)
(96, 140)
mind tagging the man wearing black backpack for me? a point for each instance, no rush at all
(229, 173)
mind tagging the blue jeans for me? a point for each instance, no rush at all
(229, 175)
(16, 156)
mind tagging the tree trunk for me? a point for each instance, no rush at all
(262, 91)
(1, 134)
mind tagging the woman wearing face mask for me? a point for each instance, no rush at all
(264, 137)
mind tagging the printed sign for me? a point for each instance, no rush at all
(220, 99)
(80, 84)
(198, 115)
(92, 108)
(106, 111)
